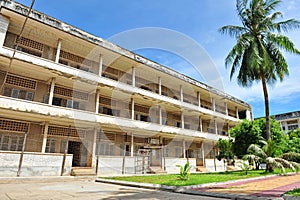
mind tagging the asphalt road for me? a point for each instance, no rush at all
(83, 190)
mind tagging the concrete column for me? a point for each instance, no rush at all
(160, 115)
(228, 129)
(183, 149)
(97, 101)
(4, 22)
(199, 99)
(213, 101)
(182, 120)
(200, 124)
(248, 115)
(94, 147)
(52, 90)
(203, 153)
(58, 51)
(100, 65)
(133, 76)
(181, 93)
(216, 127)
(298, 123)
(226, 108)
(132, 108)
(159, 85)
(45, 137)
(132, 145)
(237, 112)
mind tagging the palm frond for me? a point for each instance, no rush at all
(283, 42)
(256, 150)
(233, 31)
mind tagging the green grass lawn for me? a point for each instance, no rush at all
(295, 192)
(195, 179)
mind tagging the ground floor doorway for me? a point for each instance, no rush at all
(79, 152)
(155, 157)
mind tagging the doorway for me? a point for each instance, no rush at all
(75, 149)
(155, 157)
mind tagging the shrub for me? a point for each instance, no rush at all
(184, 173)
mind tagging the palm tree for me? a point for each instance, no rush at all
(257, 54)
(267, 154)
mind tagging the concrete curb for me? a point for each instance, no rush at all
(186, 189)
(5, 180)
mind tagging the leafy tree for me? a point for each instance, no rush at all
(267, 154)
(277, 135)
(225, 151)
(244, 134)
(292, 143)
(257, 54)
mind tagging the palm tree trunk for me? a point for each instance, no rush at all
(267, 109)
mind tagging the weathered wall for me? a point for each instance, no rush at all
(113, 165)
(209, 164)
(34, 164)
(172, 162)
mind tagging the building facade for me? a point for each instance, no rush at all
(71, 100)
(288, 121)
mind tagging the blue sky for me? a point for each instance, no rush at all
(199, 20)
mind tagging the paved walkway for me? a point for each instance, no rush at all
(72, 189)
(269, 187)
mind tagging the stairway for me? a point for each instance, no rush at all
(83, 171)
(156, 170)
(201, 169)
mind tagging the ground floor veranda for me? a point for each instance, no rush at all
(37, 149)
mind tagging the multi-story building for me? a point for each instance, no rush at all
(110, 110)
(288, 121)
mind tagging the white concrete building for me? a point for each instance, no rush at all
(288, 121)
(110, 110)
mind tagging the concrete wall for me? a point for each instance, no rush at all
(34, 164)
(209, 164)
(113, 165)
(172, 162)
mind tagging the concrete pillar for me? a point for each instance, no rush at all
(213, 101)
(216, 127)
(100, 65)
(132, 108)
(248, 115)
(4, 22)
(182, 120)
(45, 137)
(97, 101)
(94, 147)
(133, 76)
(181, 93)
(183, 149)
(200, 124)
(132, 145)
(52, 90)
(159, 85)
(58, 51)
(160, 116)
(199, 99)
(237, 112)
(226, 108)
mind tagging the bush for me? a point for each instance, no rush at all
(184, 173)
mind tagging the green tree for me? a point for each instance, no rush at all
(225, 151)
(244, 134)
(257, 54)
(292, 143)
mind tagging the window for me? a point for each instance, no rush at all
(11, 142)
(29, 96)
(15, 93)
(177, 124)
(63, 145)
(178, 152)
(50, 145)
(292, 127)
(106, 149)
